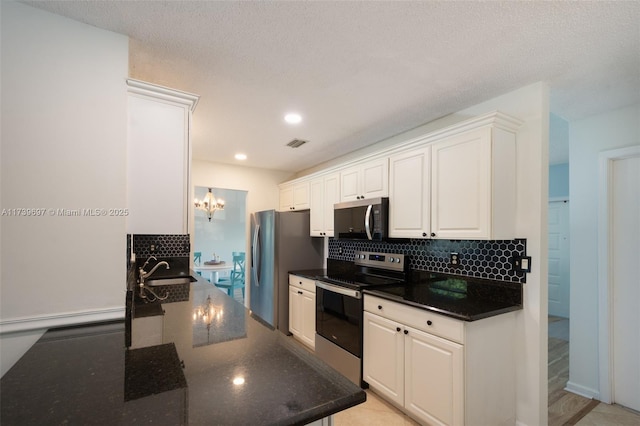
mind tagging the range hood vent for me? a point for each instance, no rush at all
(296, 143)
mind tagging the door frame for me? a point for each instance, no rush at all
(560, 199)
(605, 290)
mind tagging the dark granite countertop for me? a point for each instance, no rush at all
(312, 274)
(460, 297)
(463, 298)
(283, 383)
(85, 375)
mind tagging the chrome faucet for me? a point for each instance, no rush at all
(143, 274)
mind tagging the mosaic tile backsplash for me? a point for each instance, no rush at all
(172, 248)
(481, 259)
(176, 245)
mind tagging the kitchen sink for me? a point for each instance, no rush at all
(155, 282)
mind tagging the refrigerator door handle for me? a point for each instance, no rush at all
(367, 219)
(255, 259)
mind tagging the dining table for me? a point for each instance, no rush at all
(213, 270)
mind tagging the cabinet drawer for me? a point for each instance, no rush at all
(426, 321)
(303, 283)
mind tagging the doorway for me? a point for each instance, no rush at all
(218, 238)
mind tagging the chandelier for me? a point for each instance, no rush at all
(206, 314)
(210, 204)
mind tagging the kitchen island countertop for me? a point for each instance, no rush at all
(237, 372)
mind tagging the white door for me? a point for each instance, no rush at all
(559, 258)
(625, 273)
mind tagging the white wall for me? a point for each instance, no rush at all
(63, 147)
(587, 138)
(530, 104)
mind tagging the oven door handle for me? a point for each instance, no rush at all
(340, 290)
(367, 221)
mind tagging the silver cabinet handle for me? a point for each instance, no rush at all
(367, 218)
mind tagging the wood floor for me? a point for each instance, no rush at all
(566, 408)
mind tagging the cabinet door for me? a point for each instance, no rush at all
(434, 381)
(317, 207)
(331, 197)
(294, 311)
(383, 356)
(157, 166)
(461, 196)
(308, 320)
(410, 194)
(286, 198)
(301, 196)
(375, 178)
(350, 184)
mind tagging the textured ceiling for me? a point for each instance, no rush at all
(362, 71)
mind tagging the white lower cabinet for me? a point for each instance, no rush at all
(439, 370)
(302, 309)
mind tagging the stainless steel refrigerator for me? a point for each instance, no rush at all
(280, 243)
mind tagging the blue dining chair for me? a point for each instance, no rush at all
(236, 276)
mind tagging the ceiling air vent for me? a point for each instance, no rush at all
(296, 143)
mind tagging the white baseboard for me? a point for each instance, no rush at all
(582, 390)
(43, 322)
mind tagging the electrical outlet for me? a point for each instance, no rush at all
(454, 260)
(522, 264)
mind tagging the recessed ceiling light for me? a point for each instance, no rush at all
(293, 118)
(241, 156)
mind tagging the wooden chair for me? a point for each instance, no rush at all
(236, 276)
(197, 257)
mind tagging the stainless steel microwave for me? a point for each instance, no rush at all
(366, 219)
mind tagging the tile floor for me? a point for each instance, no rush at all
(374, 412)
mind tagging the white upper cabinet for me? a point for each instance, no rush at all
(474, 185)
(410, 194)
(294, 196)
(365, 180)
(460, 184)
(158, 158)
(324, 193)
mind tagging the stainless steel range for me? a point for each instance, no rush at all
(339, 308)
